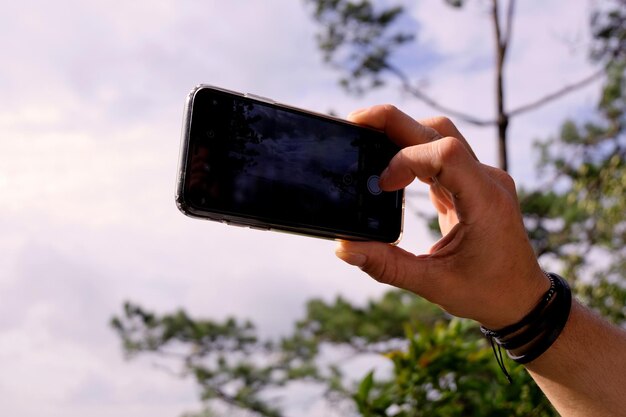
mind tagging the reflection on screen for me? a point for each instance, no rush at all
(257, 160)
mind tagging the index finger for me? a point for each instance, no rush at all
(400, 127)
(447, 162)
(406, 131)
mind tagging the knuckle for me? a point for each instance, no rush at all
(376, 270)
(381, 114)
(507, 181)
(402, 158)
(383, 270)
(384, 111)
(501, 177)
(389, 108)
(451, 150)
(444, 123)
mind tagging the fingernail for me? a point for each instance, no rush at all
(353, 258)
(383, 176)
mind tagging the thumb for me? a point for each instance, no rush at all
(391, 265)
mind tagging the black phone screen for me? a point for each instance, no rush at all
(280, 166)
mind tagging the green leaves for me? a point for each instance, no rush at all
(578, 214)
(144, 331)
(222, 357)
(448, 369)
(438, 365)
(359, 39)
(378, 321)
(361, 397)
(608, 26)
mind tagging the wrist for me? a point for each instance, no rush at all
(523, 294)
(535, 333)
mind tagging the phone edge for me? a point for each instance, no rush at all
(182, 168)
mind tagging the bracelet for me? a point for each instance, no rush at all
(529, 338)
(529, 318)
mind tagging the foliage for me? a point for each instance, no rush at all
(609, 31)
(232, 367)
(359, 39)
(577, 216)
(379, 321)
(448, 370)
(438, 363)
(219, 355)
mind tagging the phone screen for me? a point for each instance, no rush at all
(282, 167)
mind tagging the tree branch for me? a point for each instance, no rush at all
(495, 17)
(423, 97)
(557, 94)
(506, 40)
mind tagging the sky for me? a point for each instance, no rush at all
(91, 100)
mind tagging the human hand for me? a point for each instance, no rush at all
(483, 267)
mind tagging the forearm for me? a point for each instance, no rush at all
(584, 372)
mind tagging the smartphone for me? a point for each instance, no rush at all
(249, 161)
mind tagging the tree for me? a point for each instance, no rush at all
(577, 216)
(360, 39)
(438, 362)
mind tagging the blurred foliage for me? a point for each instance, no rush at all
(219, 355)
(609, 31)
(577, 216)
(448, 370)
(358, 38)
(438, 365)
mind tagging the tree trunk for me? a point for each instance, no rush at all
(502, 42)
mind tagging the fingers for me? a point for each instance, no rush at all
(400, 127)
(445, 127)
(478, 215)
(403, 129)
(449, 166)
(446, 159)
(390, 265)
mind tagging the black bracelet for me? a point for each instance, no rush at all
(556, 323)
(537, 326)
(529, 318)
(538, 330)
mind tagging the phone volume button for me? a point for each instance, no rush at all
(260, 98)
(236, 224)
(265, 229)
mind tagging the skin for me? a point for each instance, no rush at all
(484, 267)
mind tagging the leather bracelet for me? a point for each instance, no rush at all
(558, 320)
(538, 330)
(537, 327)
(529, 318)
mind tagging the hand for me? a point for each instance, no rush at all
(484, 267)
